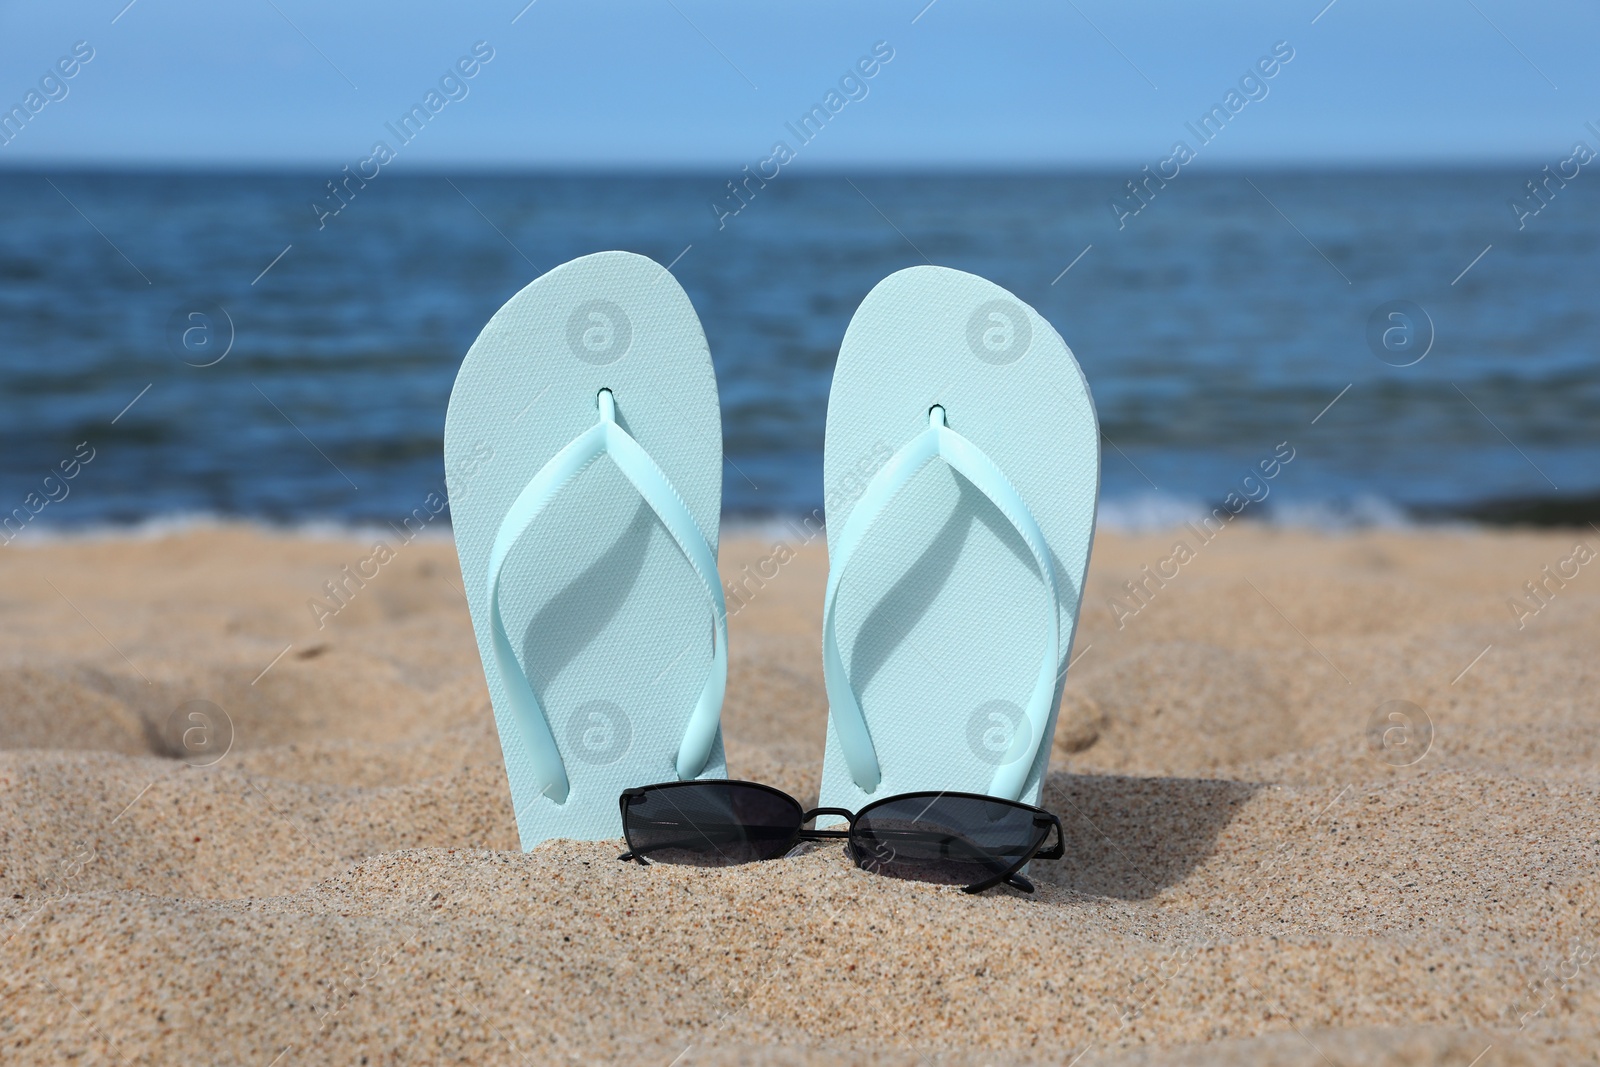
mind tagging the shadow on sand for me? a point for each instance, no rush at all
(1132, 837)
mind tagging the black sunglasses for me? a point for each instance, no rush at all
(950, 838)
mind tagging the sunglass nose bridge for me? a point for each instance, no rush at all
(843, 813)
(821, 835)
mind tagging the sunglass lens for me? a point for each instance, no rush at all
(951, 840)
(711, 824)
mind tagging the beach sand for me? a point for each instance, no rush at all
(1248, 877)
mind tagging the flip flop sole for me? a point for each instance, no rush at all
(941, 613)
(607, 618)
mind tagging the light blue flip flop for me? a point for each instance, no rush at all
(961, 475)
(583, 457)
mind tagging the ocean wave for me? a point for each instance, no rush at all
(1135, 514)
(156, 527)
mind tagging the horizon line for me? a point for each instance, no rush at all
(622, 169)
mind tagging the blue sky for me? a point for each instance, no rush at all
(643, 84)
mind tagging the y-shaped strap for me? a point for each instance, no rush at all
(607, 438)
(968, 460)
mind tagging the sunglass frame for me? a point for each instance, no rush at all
(1042, 820)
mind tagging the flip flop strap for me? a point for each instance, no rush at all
(607, 438)
(968, 460)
